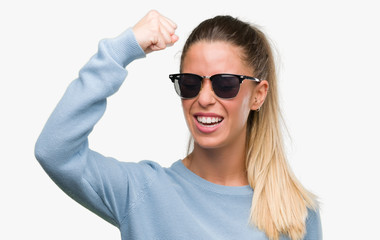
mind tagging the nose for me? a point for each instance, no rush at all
(206, 96)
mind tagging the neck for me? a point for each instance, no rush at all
(223, 166)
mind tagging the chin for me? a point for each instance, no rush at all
(208, 142)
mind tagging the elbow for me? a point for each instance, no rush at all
(55, 164)
(53, 161)
(46, 152)
(40, 152)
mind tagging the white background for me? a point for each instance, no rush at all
(329, 78)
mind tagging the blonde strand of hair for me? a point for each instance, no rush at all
(280, 203)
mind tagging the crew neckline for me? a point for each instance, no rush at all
(188, 175)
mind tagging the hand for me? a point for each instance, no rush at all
(155, 32)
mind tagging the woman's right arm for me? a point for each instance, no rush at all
(62, 148)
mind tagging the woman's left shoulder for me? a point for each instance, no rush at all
(313, 225)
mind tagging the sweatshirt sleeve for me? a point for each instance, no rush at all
(97, 182)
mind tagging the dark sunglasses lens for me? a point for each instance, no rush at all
(187, 86)
(226, 86)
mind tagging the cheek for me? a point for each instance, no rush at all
(242, 107)
(186, 105)
(247, 95)
(240, 111)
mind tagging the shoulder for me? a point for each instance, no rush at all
(313, 215)
(111, 170)
(149, 166)
(313, 225)
(142, 171)
(145, 167)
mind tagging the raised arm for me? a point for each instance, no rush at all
(62, 148)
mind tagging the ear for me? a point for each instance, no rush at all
(259, 94)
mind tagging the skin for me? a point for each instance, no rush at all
(218, 156)
(155, 32)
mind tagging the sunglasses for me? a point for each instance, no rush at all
(224, 85)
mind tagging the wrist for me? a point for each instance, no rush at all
(125, 48)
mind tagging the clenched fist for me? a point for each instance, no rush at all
(155, 32)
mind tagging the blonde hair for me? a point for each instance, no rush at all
(280, 203)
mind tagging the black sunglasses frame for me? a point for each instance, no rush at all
(177, 76)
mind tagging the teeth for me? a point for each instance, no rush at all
(208, 120)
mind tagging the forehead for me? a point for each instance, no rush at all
(206, 57)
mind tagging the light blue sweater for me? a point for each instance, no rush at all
(144, 200)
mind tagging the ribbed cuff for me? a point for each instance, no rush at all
(126, 48)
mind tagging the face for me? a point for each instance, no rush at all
(212, 121)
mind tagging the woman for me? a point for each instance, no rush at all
(229, 97)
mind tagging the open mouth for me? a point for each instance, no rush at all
(209, 121)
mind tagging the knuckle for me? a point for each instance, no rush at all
(153, 13)
(171, 31)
